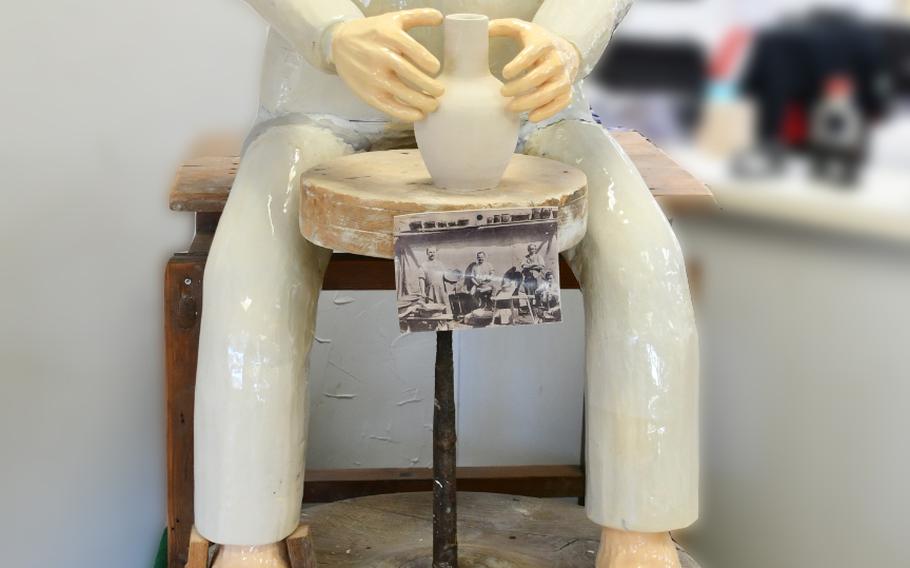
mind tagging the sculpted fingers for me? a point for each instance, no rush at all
(552, 108)
(406, 71)
(411, 48)
(507, 27)
(387, 104)
(541, 96)
(419, 17)
(534, 78)
(540, 77)
(525, 59)
(409, 96)
(385, 66)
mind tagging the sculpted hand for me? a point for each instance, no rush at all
(385, 66)
(540, 77)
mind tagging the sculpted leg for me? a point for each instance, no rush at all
(642, 356)
(628, 549)
(262, 282)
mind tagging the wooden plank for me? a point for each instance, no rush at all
(355, 272)
(300, 548)
(675, 189)
(182, 305)
(203, 182)
(198, 556)
(350, 203)
(324, 486)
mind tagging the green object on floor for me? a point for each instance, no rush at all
(161, 557)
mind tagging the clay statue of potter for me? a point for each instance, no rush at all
(345, 76)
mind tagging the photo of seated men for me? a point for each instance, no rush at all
(481, 281)
(547, 298)
(477, 269)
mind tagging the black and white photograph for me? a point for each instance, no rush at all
(477, 269)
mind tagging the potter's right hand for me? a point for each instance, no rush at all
(385, 66)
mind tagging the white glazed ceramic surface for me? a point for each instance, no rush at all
(262, 281)
(641, 396)
(467, 143)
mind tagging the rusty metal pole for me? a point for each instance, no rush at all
(445, 535)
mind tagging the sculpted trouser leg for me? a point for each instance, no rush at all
(262, 282)
(642, 346)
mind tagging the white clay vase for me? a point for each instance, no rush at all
(468, 142)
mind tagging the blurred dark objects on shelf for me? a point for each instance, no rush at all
(896, 39)
(818, 82)
(658, 85)
(837, 133)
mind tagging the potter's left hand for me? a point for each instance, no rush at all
(540, 77)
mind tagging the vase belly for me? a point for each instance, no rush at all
(468, 142)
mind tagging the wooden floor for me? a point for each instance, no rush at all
(502, 531)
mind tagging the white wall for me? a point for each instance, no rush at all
(805, 395)
(99, 100)
(371, 390)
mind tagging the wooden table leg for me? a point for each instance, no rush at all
(182, 316)
(182, 306)
(445, 537)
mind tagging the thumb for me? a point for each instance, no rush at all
(419, 17)
(507, 27)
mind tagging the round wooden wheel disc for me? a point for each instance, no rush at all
(494, 531)
(348, 204)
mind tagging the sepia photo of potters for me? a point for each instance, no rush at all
(477, 269)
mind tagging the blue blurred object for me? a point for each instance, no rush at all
(724, 91)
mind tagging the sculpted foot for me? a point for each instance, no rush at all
(264, 556)
(626, 549)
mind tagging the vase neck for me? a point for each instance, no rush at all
(467, 45)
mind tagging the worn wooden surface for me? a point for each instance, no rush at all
(299, 546)
(204, 181)
(301, 552)
(350, 203)
(676, 190)
(198, 553)
(532, 480)
(395, 531)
